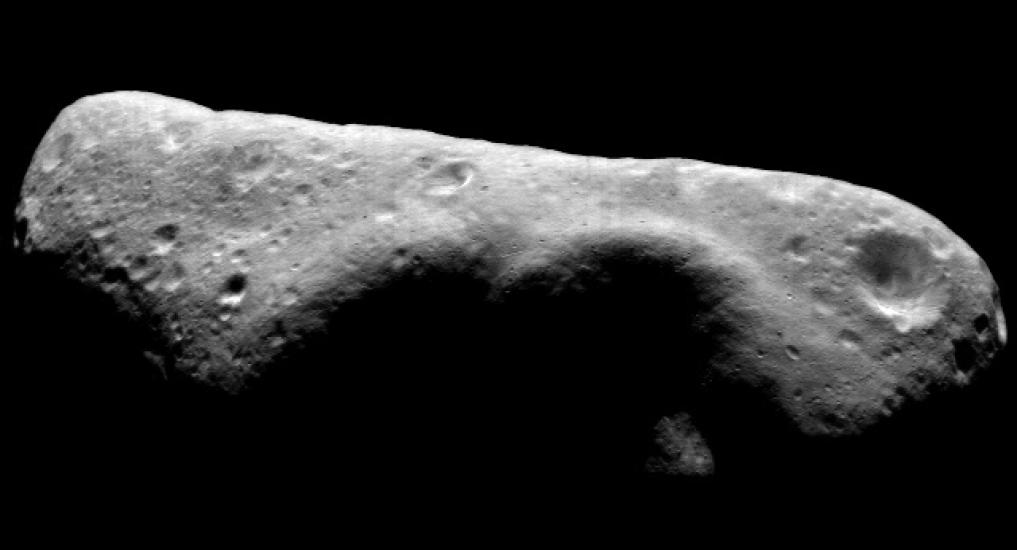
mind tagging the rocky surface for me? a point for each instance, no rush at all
(261, 254)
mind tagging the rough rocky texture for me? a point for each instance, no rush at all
(250, 246)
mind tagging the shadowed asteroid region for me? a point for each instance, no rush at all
(435, 308)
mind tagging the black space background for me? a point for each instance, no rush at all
(920, 114)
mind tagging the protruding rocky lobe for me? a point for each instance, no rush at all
(245, 234)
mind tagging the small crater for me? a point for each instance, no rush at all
(57, 152)
(792, 353)
(796, 246)
(303, 188)
(236, 283)
(319, 150)
(233, 290)
(835, 421)
(177, 332)
(177, 134)
(290, 296)
(167, 232)
(174, 277)
(462, 172)
(181, 130)
(251, 164)
(935, 239)
(920, 377)
(981, 323)
(891, 352)
(849, 339)
(347, 174)
(450, 178)
(139, 268)
(252, 156)
(964, 355)
(424, 162)
(115, 275)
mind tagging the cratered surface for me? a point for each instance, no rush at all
(264, 255)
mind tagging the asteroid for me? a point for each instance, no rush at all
(457, 294)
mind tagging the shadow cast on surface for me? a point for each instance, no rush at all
(428, 387)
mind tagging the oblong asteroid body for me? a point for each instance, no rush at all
(245, 235)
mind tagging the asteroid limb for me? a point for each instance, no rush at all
(379, 269)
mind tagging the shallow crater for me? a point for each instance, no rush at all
(901, 280)
(895, 265)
